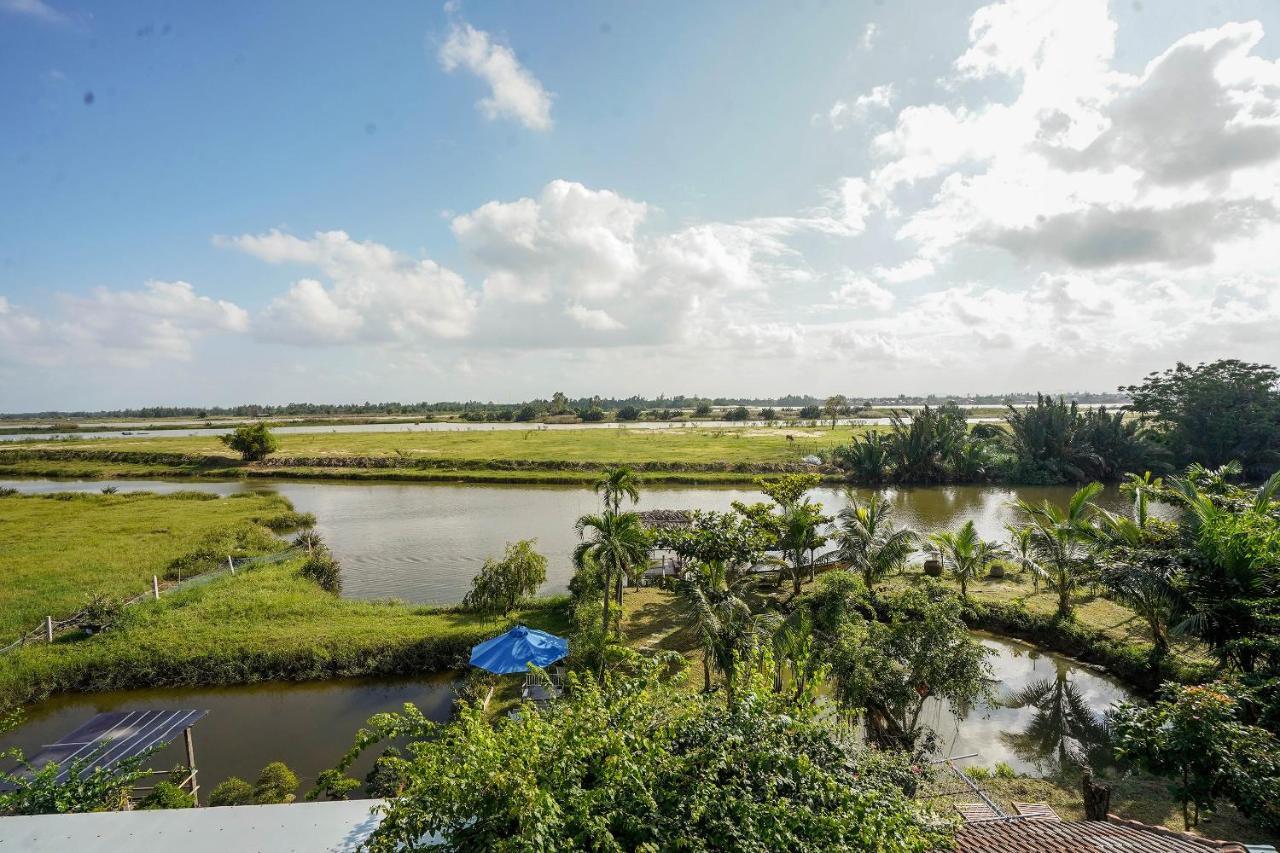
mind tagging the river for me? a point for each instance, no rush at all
(424, 542)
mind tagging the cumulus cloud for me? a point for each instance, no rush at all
(843, 114)
(859, 292)
(514, 92)
(911, 270)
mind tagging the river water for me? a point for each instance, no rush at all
(309, 725)
(424, 542)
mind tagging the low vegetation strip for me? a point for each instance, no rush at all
(267, 624)
(58, 551)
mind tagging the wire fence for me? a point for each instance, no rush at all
(47, 631)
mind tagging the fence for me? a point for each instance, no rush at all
(50, 628)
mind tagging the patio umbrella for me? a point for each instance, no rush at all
(516, 649)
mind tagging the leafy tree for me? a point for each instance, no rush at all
(1061, 542)
(923, 446)
(738, 413)
(789, 488)
(809, 413)
(559, 403)
(31, 790)
(615, 547)
(1214, 413)
(966, 554)
(615, 484)
(233, 791)
(526, 413)
(713, 598)
(501, 584)
(252, 441)
(628, 413)
(835, 406)
(888, 670)
(794, 528)
(276, 784)
(768, 415)
(641, 765)
(1049, 443)
(722, 537)
(592, 414)
(1140, 568)
(702, 410)
(1196, 736)
(867, 541)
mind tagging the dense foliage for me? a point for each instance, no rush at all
(252, 441)
(501, 584)
(639, 764)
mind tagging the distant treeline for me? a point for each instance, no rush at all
(788, 401)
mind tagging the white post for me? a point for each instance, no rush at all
(48, 628)
(231, 565)
(155, 587)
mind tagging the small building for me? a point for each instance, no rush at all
(1041, 834)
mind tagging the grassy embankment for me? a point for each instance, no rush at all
(262, 624)
(678, 454)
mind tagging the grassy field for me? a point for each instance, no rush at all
(58, 550)
(677, 444)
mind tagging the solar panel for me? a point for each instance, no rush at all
(107, 739)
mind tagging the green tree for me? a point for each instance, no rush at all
(723, 537)
(640, 765)
(501, 584)
(965, 553)
(867, 541)
(887, 671)
(835, 406)
(867, 458)
(628, 413)
(616, 483)
(31, 790)
(616, 546)
(1061, 542)
(713, 599)
(1195, 735)
(276, 784)
(702, 410)
(167, 795)
(1049, 444)
(252, 441)
(1214, 413)
(923, 446)
(559, 403)
(232, 791)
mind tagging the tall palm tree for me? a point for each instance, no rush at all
(713, 597)
(798, 537)
(966, 552)
(615, 484)
(1061, 540)
(617, 544)
(867, 541)
(1020, 550)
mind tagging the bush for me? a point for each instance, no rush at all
(322, 568)
(252, 441)
(501, 584)
(167, 795)
(101, 612)
(738, 414)
(276, 784)
(810, 413)
(768, 415)
(1002, 770)
(289, 520)
(233, 792)
(628, 413)
(978, 773)
(526, 413)
(702, 410)
(591, 415)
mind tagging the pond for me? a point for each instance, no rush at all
(310, 725)
(424, 542)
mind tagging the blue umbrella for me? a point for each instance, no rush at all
(516, 649)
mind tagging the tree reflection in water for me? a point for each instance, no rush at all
(1064, 734)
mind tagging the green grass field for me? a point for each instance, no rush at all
(58, 550)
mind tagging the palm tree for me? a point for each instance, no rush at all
(1141, 487)
(968, 554)
(713, 597)
(797, 537)
(1060, 542)
(868, 542)
(618, 543)
(615, 484)
(1020, 550)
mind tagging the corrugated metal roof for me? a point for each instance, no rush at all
(107, 739)
(1032, 835)
(331, 827)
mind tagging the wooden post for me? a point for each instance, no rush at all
(48, 628)
(231, 565)
(155, 587)
(191, 764)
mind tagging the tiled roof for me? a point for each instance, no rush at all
(1023, 835)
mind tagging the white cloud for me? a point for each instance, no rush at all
(513, 91)
(843, 114)
(860, 292)
(912, 270)
(377, 295)
(869, 35)
(36, 9)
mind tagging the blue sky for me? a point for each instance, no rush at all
(215, 203)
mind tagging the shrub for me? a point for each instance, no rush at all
(768, 415)
(7, 492)
(977, 773)
(526, 413)
(738, 414)
(628, 413)
(502, 583)
(810, 413)
(101, 612)
(110, 490)
(1002, 770)
(322, 568)
(276, 784)
(167, 795)
(702, 410)
(233, 792)
(252, 441)
(591, 415)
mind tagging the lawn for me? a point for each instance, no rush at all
(677, 445)
(58, 550)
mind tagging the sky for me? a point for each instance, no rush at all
(206, 204)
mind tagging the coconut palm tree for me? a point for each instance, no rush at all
(714, 599)
(1061, 542)
(967, 554)
(615, 484)
(867, 541)
(798, 538)
(617, 543)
